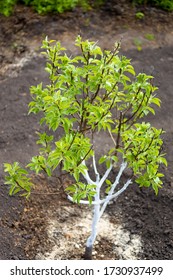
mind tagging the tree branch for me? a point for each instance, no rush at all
(95, 169)
(110, 197)
(119, 132)
(105, 175)
(113, 54)
(116, 182)
(86, 175)
(133, 115)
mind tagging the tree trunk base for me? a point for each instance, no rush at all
(88, 253)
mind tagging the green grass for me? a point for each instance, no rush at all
(47, 6)
(150, 36)
(166, 5)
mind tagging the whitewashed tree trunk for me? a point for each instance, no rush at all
(99, 205)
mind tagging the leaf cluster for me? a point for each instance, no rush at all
(142, 150)
(18, 179)
(82, 191)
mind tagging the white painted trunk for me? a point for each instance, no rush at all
(99, 205)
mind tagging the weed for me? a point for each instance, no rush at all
(150, 36)
(140, 15)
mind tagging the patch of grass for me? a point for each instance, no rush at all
(166, 5)
(150, 37)
(47, 6)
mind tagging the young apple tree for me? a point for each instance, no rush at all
(93, 92)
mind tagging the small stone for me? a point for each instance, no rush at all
(80, 225)
(118, 10)
(68, 235)
(77, 246)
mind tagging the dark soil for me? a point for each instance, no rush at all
(25, 225)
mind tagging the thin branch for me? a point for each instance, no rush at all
(113, 54)
(74, 136)
(105, 175)
(107, 199)
(107, 95)
(77, 100)
(119, 131)
(82, 159)
(123, 167)
(95, 170)
(133, 115)
(83, 120)
(134, 120)
(83, 52)
(121, 190)
(96, 93)
(86, 175)
(110, 197)
(112, 137)
(53, 70)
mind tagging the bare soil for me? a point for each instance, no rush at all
(139, 225)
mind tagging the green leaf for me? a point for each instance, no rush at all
(108, 163)
(108, 182)
(114, 158)
(156, 101)
(102, 159)
(7, 167)
(163, 160)
(90, 199)
(107, 189)
(76, 175)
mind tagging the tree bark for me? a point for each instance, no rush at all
(88, 253)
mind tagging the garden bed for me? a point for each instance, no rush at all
(49, 226)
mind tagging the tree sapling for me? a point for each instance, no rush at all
(93, 92)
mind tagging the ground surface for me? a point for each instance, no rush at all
(139, 225)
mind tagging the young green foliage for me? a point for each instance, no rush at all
(93, 92)
(17, 179)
